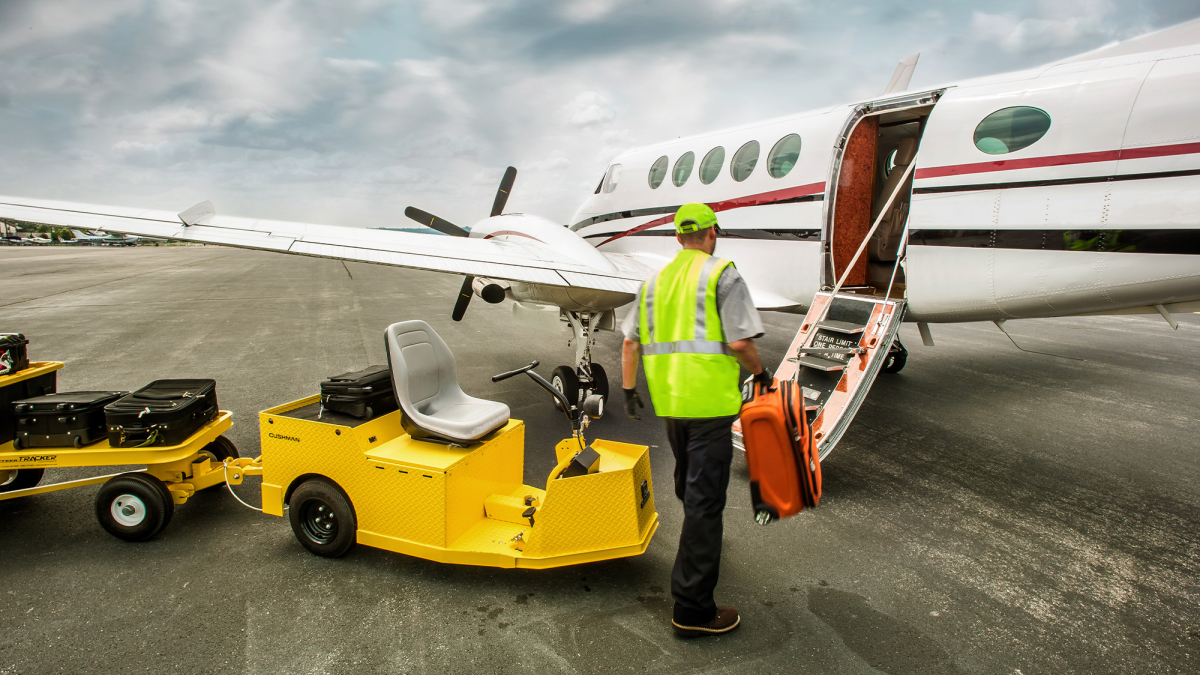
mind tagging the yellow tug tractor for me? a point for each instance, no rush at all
(442, 477)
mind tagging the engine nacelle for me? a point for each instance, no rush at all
(490, 291)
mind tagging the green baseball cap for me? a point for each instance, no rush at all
(694, 217)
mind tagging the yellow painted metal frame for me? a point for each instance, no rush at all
(35, 369)
(463, 504)
(181, 467)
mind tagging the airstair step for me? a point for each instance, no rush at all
(841, 326)
(818, 363)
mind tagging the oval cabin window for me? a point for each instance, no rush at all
(658, 172)
(683, 169)
(744, 161)
(710, 166)
(1011, 129)
(783, 156)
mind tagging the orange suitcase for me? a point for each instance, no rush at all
(785, 475)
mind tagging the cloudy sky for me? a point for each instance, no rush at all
(345, 112)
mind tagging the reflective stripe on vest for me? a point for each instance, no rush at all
(690, 370)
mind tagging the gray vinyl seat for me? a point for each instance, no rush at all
(426, 383)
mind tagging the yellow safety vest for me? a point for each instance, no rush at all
(690, 370)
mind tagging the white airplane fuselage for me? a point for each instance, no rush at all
(1100, 213)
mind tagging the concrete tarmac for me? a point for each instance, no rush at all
(989, 511)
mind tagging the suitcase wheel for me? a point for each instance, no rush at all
(17, 443)
(763, 517)
(78, 442)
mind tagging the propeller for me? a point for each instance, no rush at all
(446, 227)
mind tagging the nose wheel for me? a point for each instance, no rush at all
(570, 384)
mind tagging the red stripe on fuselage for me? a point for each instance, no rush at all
(1059, 160)
(736, 203)
(499, 233)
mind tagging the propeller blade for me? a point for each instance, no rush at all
(506, 183)
(464, 299)
(431, 221)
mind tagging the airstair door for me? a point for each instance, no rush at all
(836, 356)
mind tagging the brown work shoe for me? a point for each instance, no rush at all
(726, 620)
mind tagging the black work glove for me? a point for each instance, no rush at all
(765, 377)
(632, 403)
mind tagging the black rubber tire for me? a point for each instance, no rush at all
(566, 381)
(322, 518)
(219, 450)
(17, 443)
(25, 479)
(894, 362)
(131, 493)
(599, 383)
(78, 443)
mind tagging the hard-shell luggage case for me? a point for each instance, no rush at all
(62, 420)
(34, 386)
(14, 354)
(364, 393)
(164, 412)
(785, 474)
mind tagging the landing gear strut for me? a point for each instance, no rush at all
(585, 378)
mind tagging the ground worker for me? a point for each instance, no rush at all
(693, 324)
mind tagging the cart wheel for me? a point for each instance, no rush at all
(21, 479)
(132, 506)
(322, 518)
(220, 450)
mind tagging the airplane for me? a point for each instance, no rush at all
(35, 239)
(103, 239)
(1067, 189)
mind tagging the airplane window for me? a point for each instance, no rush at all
(614, 175)
(744, 161)
(783, 156)
(1011, 129)
(683, 168)
(658, 172)
(710, 166)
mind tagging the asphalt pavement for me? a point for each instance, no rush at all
(989, 511)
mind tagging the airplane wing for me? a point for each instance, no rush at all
(490, 258)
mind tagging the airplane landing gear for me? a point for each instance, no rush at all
(585, 378)
(896, 358)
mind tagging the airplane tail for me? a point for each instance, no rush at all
(78, 234)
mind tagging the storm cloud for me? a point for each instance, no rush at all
(347, 112)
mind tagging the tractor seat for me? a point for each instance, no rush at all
(426, 384)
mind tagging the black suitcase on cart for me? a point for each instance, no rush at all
(34, 386)
(364, 393)
(164, 412)
(14, 354)
(63, 419)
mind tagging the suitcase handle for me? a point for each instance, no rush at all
(128, 435)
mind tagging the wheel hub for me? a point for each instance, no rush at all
(318, 521)
(128, 510)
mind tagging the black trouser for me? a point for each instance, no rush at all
(703, 449)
